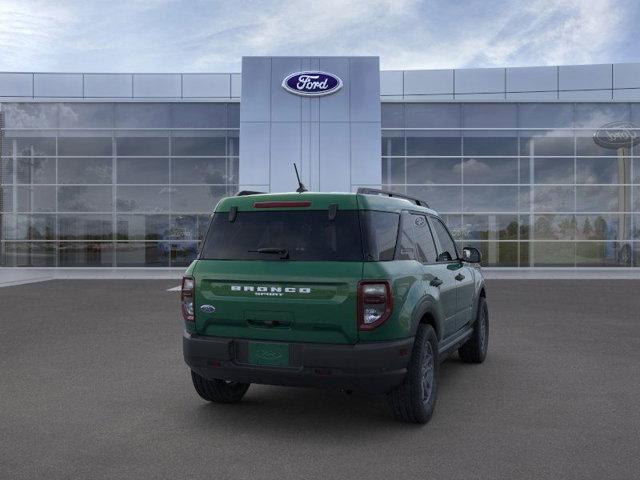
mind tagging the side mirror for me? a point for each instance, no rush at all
(471, 255)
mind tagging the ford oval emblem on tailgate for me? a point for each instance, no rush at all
(207, 308)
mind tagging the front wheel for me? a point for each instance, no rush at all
(415, 399)
(218, 391)
(475, 349)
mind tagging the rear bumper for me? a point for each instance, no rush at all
(375, 367)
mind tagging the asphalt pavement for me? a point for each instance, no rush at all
(93, 385)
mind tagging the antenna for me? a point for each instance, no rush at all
(301, 188)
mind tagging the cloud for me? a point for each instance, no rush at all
(167, 35)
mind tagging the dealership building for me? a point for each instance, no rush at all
(538, 167)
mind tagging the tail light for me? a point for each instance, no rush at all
(375, 303)
(187, 297)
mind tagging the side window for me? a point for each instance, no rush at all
(426, 248)
(382, 231)
(406, 242)
(447, 249)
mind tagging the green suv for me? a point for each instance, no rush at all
(355, 291)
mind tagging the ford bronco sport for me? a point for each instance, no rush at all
(363, 290)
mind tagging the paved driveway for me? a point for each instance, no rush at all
(92, 385)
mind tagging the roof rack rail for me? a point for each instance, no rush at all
(375, 191)
(242, 193)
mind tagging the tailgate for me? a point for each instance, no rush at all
(290, 301)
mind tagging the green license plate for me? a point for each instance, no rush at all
(272, 354)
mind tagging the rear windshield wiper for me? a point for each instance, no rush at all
(283, 252)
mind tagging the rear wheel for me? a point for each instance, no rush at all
(219, 391)
(414, 400)
(475, 349)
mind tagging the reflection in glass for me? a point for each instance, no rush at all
(212, 143)
(553, 199)
(85, 170)
(603, 254)
(553, 170)
(441, 199)
(199, 115)
(546, 144)
(146, 146)
(554, 227)
(552, 254)
(36, 146)
(393, 170)
(603, 198)
(497, 254)
(545, 115)
(30, 115)
(142, 227)
(199, 170)
(490, 199)
(142, 115)
(142, 254)
(434, 170)
(432, 115)
(490, 227)
(433, 143)
(89, 146)
(86, 115)
(143, 199)
(196, 199)
(79, 254)
(142, 170)
(183, 253)
(489, 144)
(393, 115)
(22, 254)
(603, 226)
(490, 170)
(392, 143)
(85, 227)
(603, 170)
(85, 199)
(36, 198)
(36, 170)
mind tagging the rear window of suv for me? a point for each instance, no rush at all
(306, 235)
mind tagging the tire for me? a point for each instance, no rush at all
(475, 349)
(219, 391)
(414, 400)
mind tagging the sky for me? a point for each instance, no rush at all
(212, 36)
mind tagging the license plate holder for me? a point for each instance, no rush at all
(269, 354)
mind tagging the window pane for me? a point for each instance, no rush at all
(34, 227)
(487, 115)
(490, 170)
(603, 170)
(393, 170)
(233, 112)
(497, 254)
(79, 254)
(602, 199)
(6, 199)
(554, 227)
(85, 170)
(142, 146)
(36, 170)
(183, 253)
(91, 146)
(406, 240)
(447, 250)
(142, 115)
(143, 199)
(85, 199)
(196, 199)
(29, 146)
(432, 143)
(490, 227)
(392, 115)
(6, 170)
(143, 170)
(199, 170)
(183, 227)
(490, 145)
(86, 115)
(211, 144)
(41, 254)
(585, 145)
(85, 227)
(382, 230)
(442, 199)
(392, 142)
(603, 227)
(36, 199)
(142, 254)
(142, 227)
(598, 114)
(544, 144)
(199, 115)
(426, 248)
(491, 199)
(434, 170)
(553, 170)
(545, 115)
(553, 254)
(30, 115)
(554, 199)
(432, 115)
(603, 254)
(233, 143)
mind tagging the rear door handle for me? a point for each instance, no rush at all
(459, 277)
(436, 282)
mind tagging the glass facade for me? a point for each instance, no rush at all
(112, 184)
(526, 183)
(132, 184)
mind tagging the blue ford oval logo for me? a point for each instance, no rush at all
(207, 308)
(312, 84)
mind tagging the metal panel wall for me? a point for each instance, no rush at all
(334, 139)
